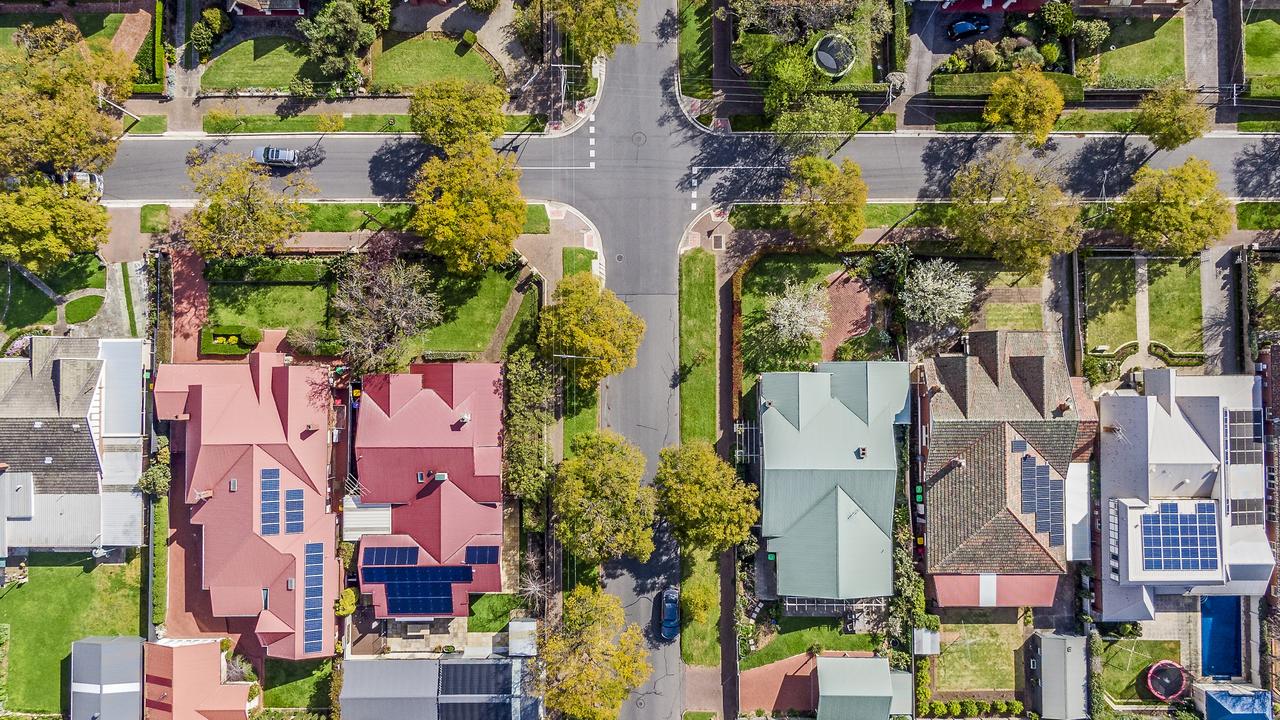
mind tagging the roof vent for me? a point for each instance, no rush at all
(441, 477)
(290, 583)
(860, 453)
(466, 418)
(957, 462)
(75, 427)
(1111, 428)
(204, 494)
(1064, 406)
(48, 460)
(37, 424)
(311, 427)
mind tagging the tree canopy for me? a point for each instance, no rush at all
(937, 292)
(1013, 212)
(597, 27)
(591, 660)
(790, 74)
(702, 497)
(378, 305)
(1170, 117)
(531, 396)
(40, 226)
(239, 211)
(603, 509)
(832, 199)
(1178, 211)
(589, 322)
(1027, 101)
(469, 209)
(453, 113)
(336, 36)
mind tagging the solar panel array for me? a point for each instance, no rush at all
(293, 511)
(313, 587)
(417, 590)
(1176, 540)
(1244, 436)
(391, 556)
(1043, 496)
(1248, 511)
(270, 501)
(482, 554)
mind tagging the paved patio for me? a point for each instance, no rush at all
(789, 685)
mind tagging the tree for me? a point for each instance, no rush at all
(336, 36)
(831, 197)
(708, 506)
(451, 113)
(1178, 211)
(1091, 33)
(1027, 101)
(531, 396)
(597, 27)
(346, 603)
(603, 509)
(40, 226)
(377, 306)
(801, 313)
(375, 12)
(590, 323)
(155, 480)
(469, 209)
(1170, 116)
(937, 293)
(240, 212)
(821, 112)
(1012, 212)
(592, 660)
(699, 595)
(790, 74)
(1058, 18)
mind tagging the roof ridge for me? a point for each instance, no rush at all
(1014, 517)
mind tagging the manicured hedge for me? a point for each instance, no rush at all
(266, 270)
(247, 338)
(1173, 358)
(979, 84)
(150, 58)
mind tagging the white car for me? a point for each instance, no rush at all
(93, 181)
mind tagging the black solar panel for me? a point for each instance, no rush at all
(1043, 496)
(487, 710)
(391, 556)
(475, 678)
(482, 554)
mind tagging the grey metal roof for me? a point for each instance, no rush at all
(122, 391)
(854, 687)
(1063, 677)
(57, 380)
(404, 689)
(106, 678)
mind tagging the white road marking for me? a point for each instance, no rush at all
(592, 141)
(593, 153)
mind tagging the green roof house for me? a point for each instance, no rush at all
(863, 688)
(828, 474)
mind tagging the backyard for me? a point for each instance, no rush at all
(1013, 316)
(1266, 316)
(297, 683)
(1147, 52)
(1262, 43)
(406, 60)
(979, 650)
(1111, 308)
(1125, 661)
(796, 635)
(1176, 319)
(89, 599)
(269, 305)
(269, 63)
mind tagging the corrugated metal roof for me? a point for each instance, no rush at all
(106, 678)
(1063, 677)
(854, 688)
(122, 518)
(122, 392)
(70, 521)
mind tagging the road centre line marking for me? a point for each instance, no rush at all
(592, 141)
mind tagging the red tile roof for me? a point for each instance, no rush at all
(1011, 590)
(437, 420)
(184, 681)
(243, 419)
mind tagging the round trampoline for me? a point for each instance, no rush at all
(1167, 680)
(834, 55)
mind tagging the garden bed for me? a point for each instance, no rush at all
(979, 84)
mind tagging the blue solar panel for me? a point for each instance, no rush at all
(270, 502)
(293, 520)
(1175, 540)
(271, 473)
(482, 554)
(416, 574)
(313, 631)
(391, 556)
(1018, 446)
(419, 606)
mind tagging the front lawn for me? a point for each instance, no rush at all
(1267, 314)
(68, 597)
(491, 612)
(154, 219)
(1147, 53)
(302, 123)
(267, 63)
(698, 346)
(349, 217)
(1111, 308)
(761, 352)
(1258, 215)
(576, 260)
(1124, 665)
(906, 214)
(23, 304)
(408, 60)
(78, 273)
(695, 48)
(978, 651)
(797, 634)
(1096, 120)
(266, 305)
(1013, 316)
(700, 641)
(297, 683)
(149, 125)
(1176, 318)
(472, 307)
(1262, 43)
(99, 28)
(83, 309)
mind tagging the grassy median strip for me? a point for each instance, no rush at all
(128, 299)
(149, 125)
(154, 218)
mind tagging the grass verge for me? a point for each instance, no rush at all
(697, 370)
(700, 641)
(154, 219)
(350, 217)
(695, 48)
(536, 220)
(149, 125)
(576, 260)
(127, 286)
(303, 123)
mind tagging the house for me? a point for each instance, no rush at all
(429, 508)
(252, 440)
(863, 688)
(1183, 488)
(1231, 701)
(267, 8)
(106, 678)
(829, 475)
(1060, 676)
(436, 690)
(71, 445)
(187, 680)
(1005, 439)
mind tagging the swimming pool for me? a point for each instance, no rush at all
(1220, 639)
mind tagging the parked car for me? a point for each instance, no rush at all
(968, 26)
(670, 613)
(276, 157)
(93, 181)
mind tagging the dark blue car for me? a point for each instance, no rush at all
(968, 26)
(670, 613)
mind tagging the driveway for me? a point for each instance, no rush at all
(929, 48)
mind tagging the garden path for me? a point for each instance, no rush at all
(1142, 359)
(851, 310)
(112, 319)
(35, 280)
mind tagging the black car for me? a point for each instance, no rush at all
(670, 613)
(968, 26)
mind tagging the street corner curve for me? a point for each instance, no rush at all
(586, 109)
(590, 238)
(701, 226)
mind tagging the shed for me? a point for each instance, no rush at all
(856, 687)
(106, 678)
(1062, 677)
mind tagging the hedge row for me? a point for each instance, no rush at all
(150, 58)
(266, 269)
(979, 84)
(247, 338)
(1173, 358)
(901, 34)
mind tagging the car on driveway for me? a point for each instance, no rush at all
(968, 26)
(92, 181)
(276, 157)
(670, 613)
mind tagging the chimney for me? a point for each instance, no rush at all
(1064, 406)
(957, 462)
(964, 343)
(860, 453)
(466, 418)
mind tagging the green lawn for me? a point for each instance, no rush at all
(693, 715)
(472, 308)
(83, 309)
(761, 351)
(78, 273)
(522, 123)
(700, 642)
(536, 220)
(1096, 120)
(491, 612)
(698, 346)
(906, 214)
(759, 216)
(349, 217)
(409, 60)
(297, 684)
(10, 22)
(1124, 663)
(1267, 315)
(1258, 215)
(1111, 310)
(1260, 122)
(1147, 53)
(978, 651)
(988, 274)
(695, 48)
(576, 260)
(524, 329)
(303, 123)
(1014, 316)
(797, 634)
(127, 287)
(99, 28)
(267, 63)
(581, 413)
(155, 219)
(1176, 318)
(1262, 43)
(67, 597)
(149, 125)
(268, 305)
(26, 305)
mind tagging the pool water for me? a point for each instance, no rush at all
(1220, 637)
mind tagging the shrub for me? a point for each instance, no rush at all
(937, 708)
(162, 453)
(301, 87)
(1000, 707)
(335, 692)
(698, 597)
(969, 708)
(984, 707)
(217, 20)
(482, 6)
(1027, 58)
(469, 37)
(1051, 52)
(953, 708)
(527, 28)
(202, 40)
(1058, 18)
(986, 56)
(1015, 707)
(214, 339)
(346, 553)
(1092, 33)
(1036, 716)
(155, 480)
(346, 603)
(1173, 358)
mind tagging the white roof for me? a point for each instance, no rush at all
(122, 392)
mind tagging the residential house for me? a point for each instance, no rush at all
(1183, 489)
(863, 688)
(252, 442)
(436, 690)
(1005, 437)
(828, 476)
(429, 509)
(267, 8)
(106, 678)
(1060, 677)
(71, 445)
(187, 680)
(1232, 701)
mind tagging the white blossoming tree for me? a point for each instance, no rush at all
(802, 313)
(937, 293)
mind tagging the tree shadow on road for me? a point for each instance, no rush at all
(1109, 160)
(1256, 170)
(944, 156)
(394, 165)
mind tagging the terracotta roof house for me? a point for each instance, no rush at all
(71, 445)
(106, 678)
(255, 439)
(1006, 435)
(828, 477)
(429, 509)
(1183, 493)
(267, 8)
(187, 680)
